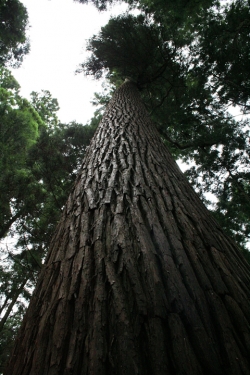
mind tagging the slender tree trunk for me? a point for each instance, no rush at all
(5, 303)
(14, 298)
(139, 278)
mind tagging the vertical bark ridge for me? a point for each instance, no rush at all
(139, 278)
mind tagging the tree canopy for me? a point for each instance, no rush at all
(192, 68)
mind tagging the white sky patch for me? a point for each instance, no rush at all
(59, 30)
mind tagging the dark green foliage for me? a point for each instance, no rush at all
(13, 24)
(180, 9)
(223, 51)
(129, 47)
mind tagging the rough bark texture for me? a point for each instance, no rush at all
(139, 278)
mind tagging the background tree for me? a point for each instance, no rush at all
(224, 64)
(13, 24)
(39, 156)
(19, 131)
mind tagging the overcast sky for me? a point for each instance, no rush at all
(58, 33)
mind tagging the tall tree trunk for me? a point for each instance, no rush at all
(139, 278)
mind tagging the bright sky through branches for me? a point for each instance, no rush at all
(58, 33)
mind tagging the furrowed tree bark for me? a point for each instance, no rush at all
(139, 278)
